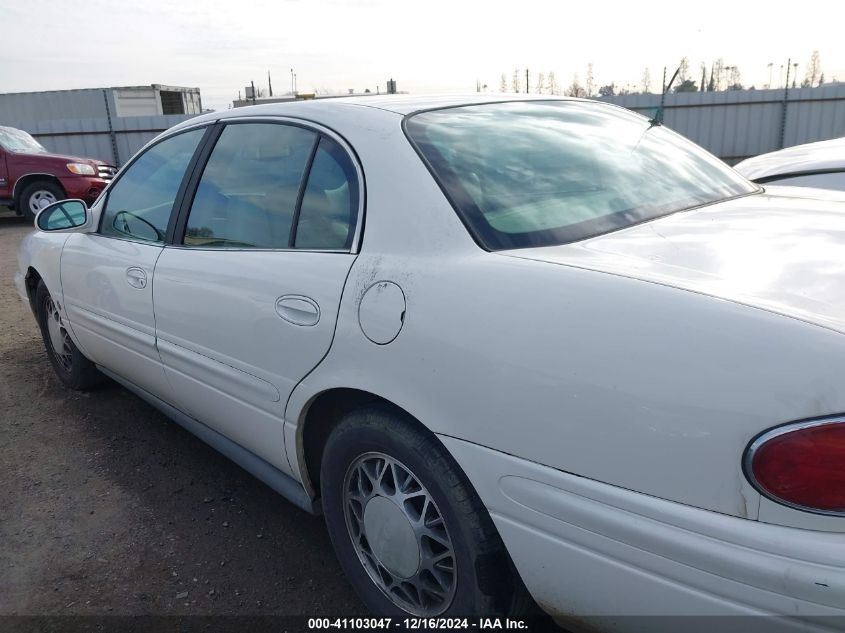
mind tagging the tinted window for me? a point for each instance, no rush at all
(543, 173)
(140, 202)
(330, 203)
(831, 180)
(248, 192)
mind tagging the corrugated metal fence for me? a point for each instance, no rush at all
(83, 123)
(737, 124)
(114, 142)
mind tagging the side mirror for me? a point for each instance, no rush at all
(65, 215)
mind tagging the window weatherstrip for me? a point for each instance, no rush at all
(187, 189)
(191, 183)
(306, 175)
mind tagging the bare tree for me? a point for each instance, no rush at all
(590, 87)
(646, 81)
(575, 89)
(716, 71)
(814, 70)
(551, 85)
(734, 80)
(541, 83)
(503, 85)
(703, 85)
(683, 70)
(515, 80)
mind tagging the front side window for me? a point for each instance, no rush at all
(140, 202)
(551, 172)
(249, 189)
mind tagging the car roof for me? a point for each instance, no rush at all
(406, 104)
(821, 156)
(398, 104)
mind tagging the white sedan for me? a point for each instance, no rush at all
(503, 344)
(820, 164)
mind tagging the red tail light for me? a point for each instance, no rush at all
(801, 465)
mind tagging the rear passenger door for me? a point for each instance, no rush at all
(247, 296)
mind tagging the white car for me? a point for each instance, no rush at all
(820, 164)
(519, 343)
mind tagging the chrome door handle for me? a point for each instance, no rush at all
(298, 310)
(136, 277)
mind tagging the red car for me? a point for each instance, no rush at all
(31, 177)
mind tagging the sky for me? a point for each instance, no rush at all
(432, 46)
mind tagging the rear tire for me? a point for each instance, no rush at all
(37, 195)
(73, 369)
(416, 540)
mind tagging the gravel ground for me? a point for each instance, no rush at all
(107, 508)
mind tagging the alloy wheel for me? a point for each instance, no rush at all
(399, 534)
(59, 339)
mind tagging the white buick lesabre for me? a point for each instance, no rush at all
(503, 344)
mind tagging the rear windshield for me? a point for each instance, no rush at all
(550, 172)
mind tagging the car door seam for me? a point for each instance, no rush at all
(316, 365)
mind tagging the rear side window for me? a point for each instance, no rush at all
(249, 189)
(330, 203)
(140, 202)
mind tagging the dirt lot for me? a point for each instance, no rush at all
(107, 508)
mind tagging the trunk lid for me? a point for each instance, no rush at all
(782, 250)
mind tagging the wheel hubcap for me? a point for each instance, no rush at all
(40, 199)
(59, 339)
(391, 537)
(399, 534)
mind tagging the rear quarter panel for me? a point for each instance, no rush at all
(631, 383)
(638, 385)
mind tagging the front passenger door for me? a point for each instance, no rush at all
(107, 277)
(246, 305)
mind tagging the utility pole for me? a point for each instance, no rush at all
(291, 80)
(783, 105)
(269, 83)
(294, 83)
(526, 81)
(771, 64)
(252, 83)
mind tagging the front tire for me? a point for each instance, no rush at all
(409, 530)
(71, 366)
(37, 195)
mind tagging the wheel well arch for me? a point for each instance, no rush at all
(320, 416)
(31, 281)
(22, 183)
